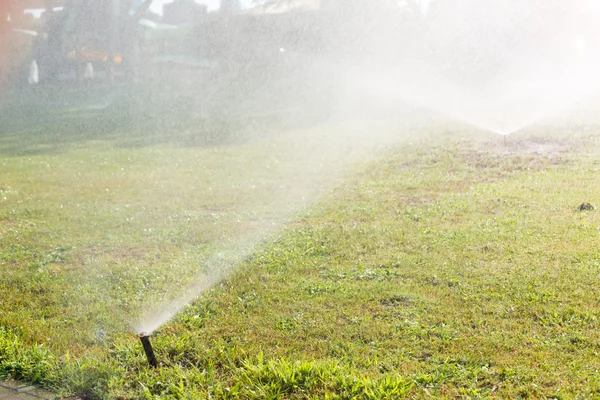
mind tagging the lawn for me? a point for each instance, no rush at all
(417, 258)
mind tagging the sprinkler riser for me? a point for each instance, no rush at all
(145, 339)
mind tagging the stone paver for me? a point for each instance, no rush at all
(13, 390)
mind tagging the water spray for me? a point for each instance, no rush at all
(145, 338)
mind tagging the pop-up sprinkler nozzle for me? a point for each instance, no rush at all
(145, 338)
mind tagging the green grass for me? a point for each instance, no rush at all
(454, 264)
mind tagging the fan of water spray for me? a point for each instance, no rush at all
(308, 165)
(497, 65)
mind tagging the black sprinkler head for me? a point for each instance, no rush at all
(145, 338)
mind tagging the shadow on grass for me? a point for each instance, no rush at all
(25, 133)
(52, 120)
(46, 127)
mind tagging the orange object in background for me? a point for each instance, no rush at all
(88, 54)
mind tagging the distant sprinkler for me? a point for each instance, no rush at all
(145, 338)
